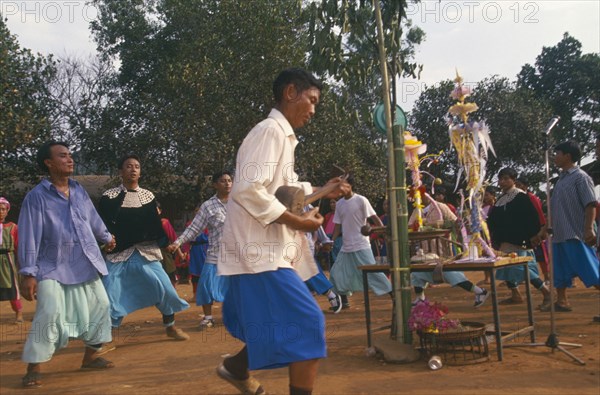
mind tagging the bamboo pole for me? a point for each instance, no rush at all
(397, 200)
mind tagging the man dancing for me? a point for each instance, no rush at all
(267, 300)
(60, 261)
(136, 278)
(212, 214)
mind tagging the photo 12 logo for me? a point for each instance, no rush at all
(48, 11)
(473, 11)
(410, 91)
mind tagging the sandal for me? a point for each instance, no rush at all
(511, 301)
(545, 305)
(557, 307)
(32, 380)
(98, 363)
(249, 386)
(106, 348)
(177, 334)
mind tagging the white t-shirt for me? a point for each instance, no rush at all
(352, 215)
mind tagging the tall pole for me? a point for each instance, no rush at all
(397, 187)
(402, 243)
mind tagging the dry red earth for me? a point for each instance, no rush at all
(147, 362)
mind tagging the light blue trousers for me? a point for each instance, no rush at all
(67, 311)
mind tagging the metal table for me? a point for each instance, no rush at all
(473, 266)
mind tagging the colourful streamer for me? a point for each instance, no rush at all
(472, 142)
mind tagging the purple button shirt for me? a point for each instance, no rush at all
(58, 235)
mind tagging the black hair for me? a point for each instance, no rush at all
(219, 174)
(350, 180)
(523, 181)
(508, 171)
(491, 189)
(124, 159)
(44, 152)
(300, 78)
(440, 191)
(570, 147)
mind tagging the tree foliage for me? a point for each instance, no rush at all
(515, 117)
(343, 48)
(343, 39)
(181, 82)
(26, 108)
(562, 82)
(194, 77)
(568, 81)
(82, 90)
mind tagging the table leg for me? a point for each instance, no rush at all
(496, 314)
(367, 307)
(529, 302)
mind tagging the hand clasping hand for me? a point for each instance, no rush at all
(108, 247)
(29, 288)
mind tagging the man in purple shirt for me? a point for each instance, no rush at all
(60, 261)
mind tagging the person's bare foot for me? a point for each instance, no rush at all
(511, 300)
(19, 317)
(33, 377)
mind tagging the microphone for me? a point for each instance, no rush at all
(551, 124)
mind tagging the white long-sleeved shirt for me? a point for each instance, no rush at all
(251, 241)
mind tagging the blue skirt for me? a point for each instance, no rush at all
(515, 274)
(276, 316)
(211, 287)
(198, 254)
(319, 283)
(137, 283)
(573, 258)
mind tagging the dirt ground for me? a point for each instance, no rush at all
(147, 362)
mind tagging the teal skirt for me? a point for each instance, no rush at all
(515, 274)
(347, 277)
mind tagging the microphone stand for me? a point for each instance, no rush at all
(552, 340)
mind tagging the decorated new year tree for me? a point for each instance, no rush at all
(472, 142)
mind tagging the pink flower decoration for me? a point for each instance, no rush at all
(426, 316)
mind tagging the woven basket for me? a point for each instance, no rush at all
(462, 347)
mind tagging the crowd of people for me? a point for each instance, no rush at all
(88, 268)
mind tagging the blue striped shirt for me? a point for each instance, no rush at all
(212, 214)
(573, 192)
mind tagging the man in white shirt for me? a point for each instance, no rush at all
(267, 306)
(351, 215)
